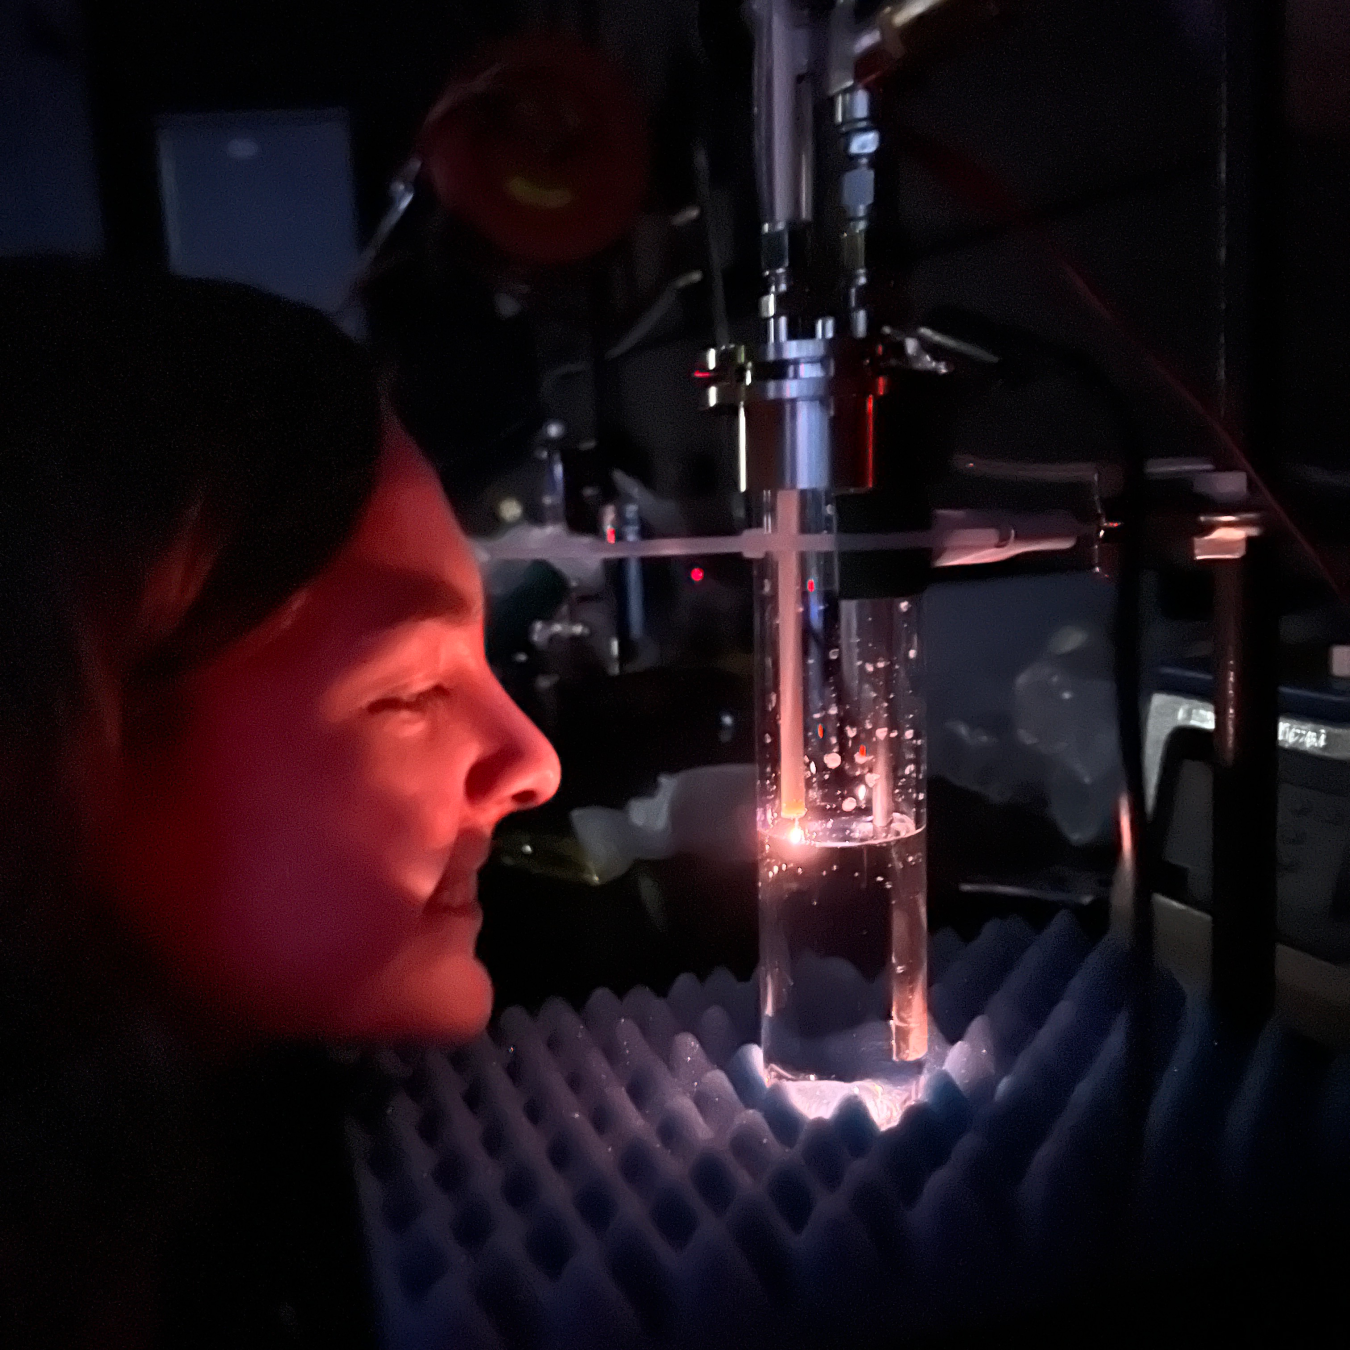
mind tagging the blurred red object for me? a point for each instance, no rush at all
(541, 145)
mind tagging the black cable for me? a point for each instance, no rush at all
(1020, 356)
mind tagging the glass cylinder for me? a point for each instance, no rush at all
(841, 815)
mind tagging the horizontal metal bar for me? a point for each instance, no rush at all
(965, 541)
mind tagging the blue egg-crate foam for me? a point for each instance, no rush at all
(622, 1176)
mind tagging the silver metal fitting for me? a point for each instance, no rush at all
(1224, 537)
(805, 408)
(857, 190)
(860, 143)
(852, 105)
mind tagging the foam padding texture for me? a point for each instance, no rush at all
(621, 1176)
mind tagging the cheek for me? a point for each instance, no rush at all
(282, 867)
(408, 797)
(327, 861)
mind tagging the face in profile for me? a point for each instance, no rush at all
(303, 854)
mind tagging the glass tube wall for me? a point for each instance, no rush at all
(841, 814)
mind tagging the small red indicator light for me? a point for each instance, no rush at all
(695, 574)
(810, 583)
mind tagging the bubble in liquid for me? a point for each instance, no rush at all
(870, 779)
(834, 709)
(869, 666)
(833, 760)
(850, 732)
(909, 733)
(834, 653)
(848, 804)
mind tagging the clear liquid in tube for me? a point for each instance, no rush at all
(843, 931)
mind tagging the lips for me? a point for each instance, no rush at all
(457, 890)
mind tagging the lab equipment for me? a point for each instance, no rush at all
(841, 818)
(644, 1167)
(840, 727)
(1312, 910)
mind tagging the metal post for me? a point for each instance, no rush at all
(1246, 608)
(1246, 766)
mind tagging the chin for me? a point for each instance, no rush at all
(445, 1000)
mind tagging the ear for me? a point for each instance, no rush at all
(174, 582)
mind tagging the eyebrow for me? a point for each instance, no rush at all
(400, 598)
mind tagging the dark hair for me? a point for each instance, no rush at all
(144, 418)
(177, 459)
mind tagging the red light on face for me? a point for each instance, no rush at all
(695, 574)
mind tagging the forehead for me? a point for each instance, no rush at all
(407, 561)
(408, 525)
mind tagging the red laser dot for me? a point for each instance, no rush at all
(811, 583)
(695, 574)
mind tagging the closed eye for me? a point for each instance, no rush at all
(421, 701)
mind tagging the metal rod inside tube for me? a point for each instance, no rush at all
(881, 792)
(792, 767)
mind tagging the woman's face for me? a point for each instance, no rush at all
(304, 854)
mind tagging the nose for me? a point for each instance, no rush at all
(516, 768)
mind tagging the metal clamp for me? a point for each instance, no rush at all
(806, 407)
(1223, 537)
